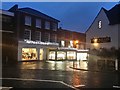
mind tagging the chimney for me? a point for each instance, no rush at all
(14, 8)
(60, 27)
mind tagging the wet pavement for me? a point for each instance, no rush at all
(57, 74)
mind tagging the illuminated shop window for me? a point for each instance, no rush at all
(41, 54)
(100, 24)
(62, 43)
(71, 55)
(52, 55)
(29, 54)
(82, 56)
(28, 20)
(61, 55)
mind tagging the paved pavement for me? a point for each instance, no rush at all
(53, 74)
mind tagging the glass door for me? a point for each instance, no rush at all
(41, 54)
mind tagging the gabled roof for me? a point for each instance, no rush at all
(113, 15)
(37, 13)
(95, 19)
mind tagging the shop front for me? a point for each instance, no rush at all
(68, 54)
(33, 51)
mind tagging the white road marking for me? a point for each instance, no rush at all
(5, 88)
(69, 85)
(116, 86)
(30, 79)
(43, 81)
(79, 85)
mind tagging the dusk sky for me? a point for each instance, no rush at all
(76, 16)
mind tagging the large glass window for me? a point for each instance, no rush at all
(52, 55)
(28, 20)
(38, 36)
(71, 55)
(82, 56)
(47, 25)
(29, 54)
(61, 55)
(27, 34)
(38, 23)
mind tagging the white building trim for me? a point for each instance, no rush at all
(5, 12)
(6, 31)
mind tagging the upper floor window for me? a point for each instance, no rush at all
(100, 24)
(28, 20)
(62, 43)
(54, 26)
(71, 44)
(27, 34)
(38, 23)
(53, 38)
(46, 37)
(38, 36)
(47, 25)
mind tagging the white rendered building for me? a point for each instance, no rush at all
(105, 29)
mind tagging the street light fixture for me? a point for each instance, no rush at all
(76, 42)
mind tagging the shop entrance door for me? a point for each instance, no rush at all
(41, 54)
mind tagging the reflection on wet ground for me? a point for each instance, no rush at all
(61, 71)
(53, 65)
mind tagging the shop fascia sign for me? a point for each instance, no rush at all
(40, 43)
(67, 48)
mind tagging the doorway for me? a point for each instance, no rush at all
(41, 54)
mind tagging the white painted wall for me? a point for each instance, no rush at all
(106, 30)
(119, 35)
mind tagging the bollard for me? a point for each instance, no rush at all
(116, 64)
